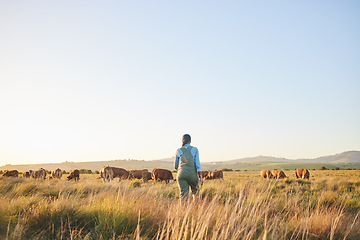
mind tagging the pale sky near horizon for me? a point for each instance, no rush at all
(90, 80)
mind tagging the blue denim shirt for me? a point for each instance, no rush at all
(194, 153)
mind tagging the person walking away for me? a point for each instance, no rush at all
(187, 164)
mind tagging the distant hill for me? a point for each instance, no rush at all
(350, 159)
(95, 165)
(259, 159)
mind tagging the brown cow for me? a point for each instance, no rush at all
(57, 173)
(302, 173)
(107, 174)
(278, 174)
(74, 174)
(266, 174)
(11, 173)
(215, 175)
(26, 174)
(159, 174)
(138, 173)
(146, 176)
(204, 174)
(121, 173)
(40, 173)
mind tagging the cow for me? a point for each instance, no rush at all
(138, 173)
(11, 173)
(159, 174)
(217, 175)
(204, 174)
(302, 173)
(107, 174)
(74, 174)
(146, 176)
(40, 173)
(26, 174)
(57, 173)
(121, 173)
(266, 174)
(278, 174)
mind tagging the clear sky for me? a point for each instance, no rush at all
(103, 80)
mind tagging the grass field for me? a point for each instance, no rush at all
(257, 166)
(243, 206)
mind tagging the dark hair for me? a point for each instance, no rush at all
(186, 139)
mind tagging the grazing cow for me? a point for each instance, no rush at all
(138, 173)
(40, 173)
(217, 175)
(107, 174)
(146, 176)
(278, 174)
(266, 174)
(11, 173)
(121, 173)
(57, 173)
(159, 174)
(204, 174)
(74, 174)
(26, 174)
(302, 173)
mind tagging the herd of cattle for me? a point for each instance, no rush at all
(278, 174)
(158, 174)
(108, 173)
(41, 173)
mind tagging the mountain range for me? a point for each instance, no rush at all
(349, 159)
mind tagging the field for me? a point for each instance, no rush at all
(257, 166)
(243, 206)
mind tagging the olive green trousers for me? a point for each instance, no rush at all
(190, 181)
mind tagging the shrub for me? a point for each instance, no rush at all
(323, 168)
(135, 183)
(226, 169)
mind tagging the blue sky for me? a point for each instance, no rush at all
(90, 80)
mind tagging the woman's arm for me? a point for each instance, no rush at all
(177, 158)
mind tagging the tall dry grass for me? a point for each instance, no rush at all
(243, 206)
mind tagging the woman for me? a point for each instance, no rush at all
(187, 164)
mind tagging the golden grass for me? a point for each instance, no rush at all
(243, 206)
